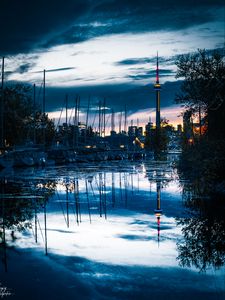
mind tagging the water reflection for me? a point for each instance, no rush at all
(33, 202)
(203, 229)
(100, 216)
(158, 210)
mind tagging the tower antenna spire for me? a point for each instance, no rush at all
(157, 69)
(157, 88)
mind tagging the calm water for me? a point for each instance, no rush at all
(106, 231)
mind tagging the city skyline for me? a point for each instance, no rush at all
(107, 49)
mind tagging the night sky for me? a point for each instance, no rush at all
(106, 48)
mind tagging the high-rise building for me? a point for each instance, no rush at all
(132, 131)
(135, 131)
(139, 131)
(148, 128)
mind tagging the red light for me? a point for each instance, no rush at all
(158, 221)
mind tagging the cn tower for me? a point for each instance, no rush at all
(157, 88)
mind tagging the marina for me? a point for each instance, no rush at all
(107, 229)
(112, 144)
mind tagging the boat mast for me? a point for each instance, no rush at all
(78, 119)
(3, 225)
(120, 121)
(34, 113)
(112, 121)
(45, 225)
(104, 103)
(78, 111)
(125, 119)
(67, 207)
(88, 200)
(3, 64)
(99, 119)
(75, 124)
(44, 91)
(44, 109)
(87, 116)
(2, 106)
(66, 110)
(66, 133)
(35, 221)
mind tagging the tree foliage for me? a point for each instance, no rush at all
(22, 201)
(203, 227)
(22, 121)
(204, 87)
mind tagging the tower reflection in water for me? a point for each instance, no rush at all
(159, 179)
(158, 211)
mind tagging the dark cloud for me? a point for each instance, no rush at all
(60, 69)
(151, 74)
(146, 60)
(114, 17)
(24, 68)
(135, 97)
(24, 24)
(56, 70)
(134, 61)
(170, 60)
(27, 25)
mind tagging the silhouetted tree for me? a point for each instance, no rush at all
(203, 243)
(203, 91)
(203, 88)
(22, 200)
(21, 120)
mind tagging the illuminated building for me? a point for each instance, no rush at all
(135, 131)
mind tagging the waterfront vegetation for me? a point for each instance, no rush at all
(201, 166)
(203, 95)
(23, 120)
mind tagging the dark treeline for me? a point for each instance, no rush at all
(23, 119)
(203, 228)
(21, 201)
(202, 162)
(203, 96)
(203, 90)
